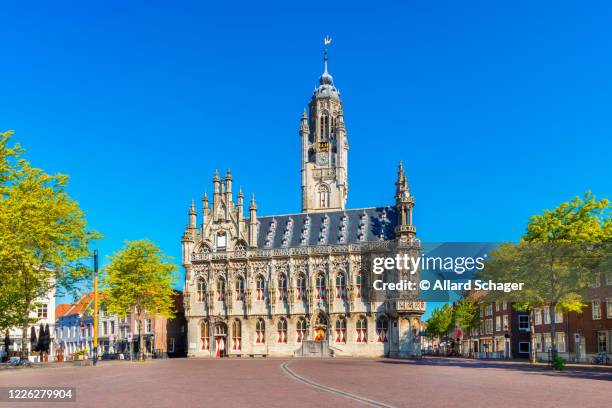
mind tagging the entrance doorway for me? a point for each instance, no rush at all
(220, 340)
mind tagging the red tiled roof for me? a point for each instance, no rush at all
(81, 305)
(61, 309)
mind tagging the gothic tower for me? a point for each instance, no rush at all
(324, 148)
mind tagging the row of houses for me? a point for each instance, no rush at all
(71, 328)
(505, 332)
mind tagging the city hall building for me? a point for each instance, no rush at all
(301, 284)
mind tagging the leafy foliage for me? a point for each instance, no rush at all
(560, 253)
(139, 279)
(43, 235)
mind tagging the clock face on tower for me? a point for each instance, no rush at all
(322, 158)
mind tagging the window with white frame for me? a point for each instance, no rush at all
(505, 305)
(112, 327)
(320, 287)
(260, 331)
(236, 335)
(596, 309)
(547, 341)
(41, 311)
(609, 308)
(489, 326)
(505, 323)
(382, 329)
(537, 313)
(546, 315)
(340, 285)
(201, 290)
(539, 342)
(362, 330)
(239, 288)
(221, 289)
(602, 342)
(148, 328)
(105, 328)
(524, 347)
(301, 287)
(561, 342)
(341, 330)
(498, 323)
(358, 286)
(282, 330)
(204, 336)
(260, 288)
(489, 309)
(497, 306)
(523, 322)
(301, 329)
(282, 287)
(608, 278)
(558, 316)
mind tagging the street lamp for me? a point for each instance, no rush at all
(95, 322)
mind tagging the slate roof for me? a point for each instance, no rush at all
(327, 228)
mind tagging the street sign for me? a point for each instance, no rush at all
(130, 337)
(577, 337)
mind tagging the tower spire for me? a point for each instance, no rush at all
(326, 42)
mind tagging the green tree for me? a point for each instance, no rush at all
(467, 314)
(560, 253)
(139, 279)
(43, 237)
(440, 322)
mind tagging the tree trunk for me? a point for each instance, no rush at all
(141, 345)
(25, 332)
(553, 330)
(532, 340)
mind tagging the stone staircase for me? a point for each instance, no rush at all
(312, 348)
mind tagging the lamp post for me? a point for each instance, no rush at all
(95, 322)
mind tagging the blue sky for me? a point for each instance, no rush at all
(498, 110)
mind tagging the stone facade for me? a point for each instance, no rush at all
(262, 286)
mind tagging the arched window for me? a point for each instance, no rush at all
(236, 335)
(341, 330)
(340, 286)
(382, 329)
(201, 290)
(261, 288)
(324, 125)
(362, 330)
(282, 287)
(282, 330)
(301, 287)
(301, 329)
(358, 286)
(320, 287)
(220, 289)
(323, 192)
(204, 336)
(260, 331)
(239, 288)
